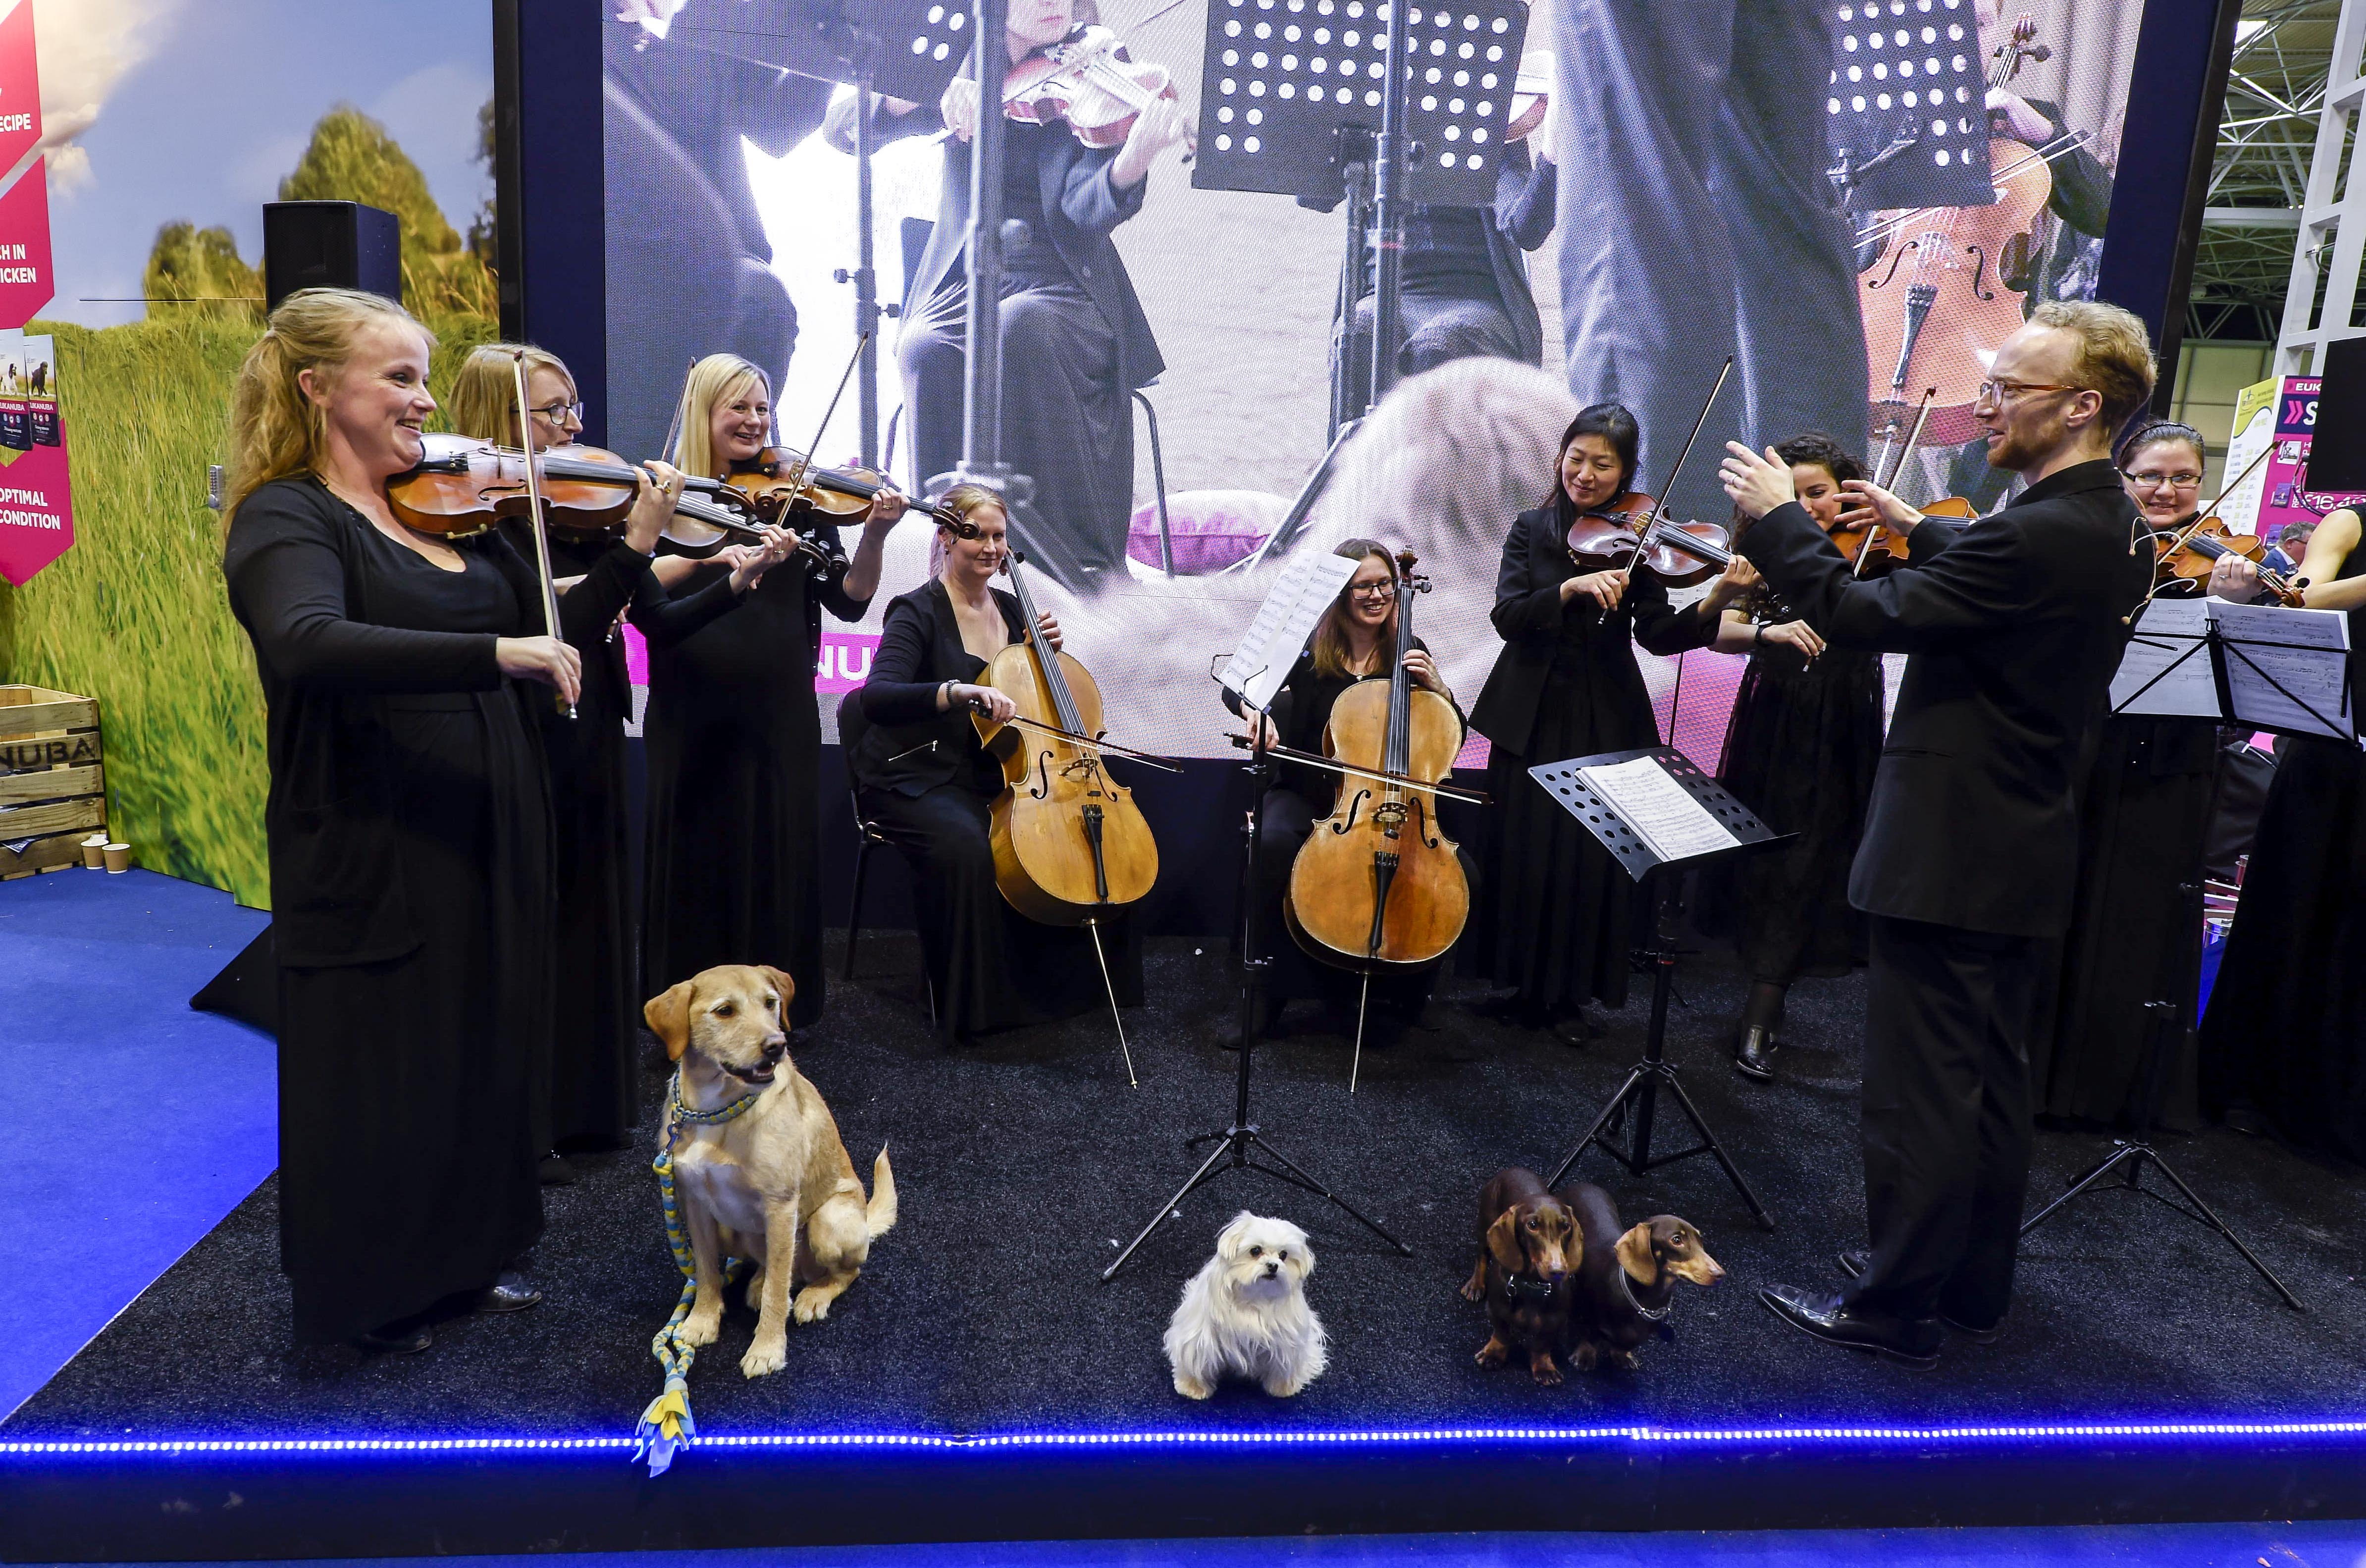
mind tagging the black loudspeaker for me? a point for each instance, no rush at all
(2337, 448)
(330, 244)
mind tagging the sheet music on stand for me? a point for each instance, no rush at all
(1652, 807)
(1307, 587)
(2261, 665)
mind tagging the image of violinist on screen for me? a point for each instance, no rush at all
(1076, 343)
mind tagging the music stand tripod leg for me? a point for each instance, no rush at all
(2223, 1228)
(1717, 1152)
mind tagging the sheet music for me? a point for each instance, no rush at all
(1306, 588)
(2305, 652)
(2166, 669)
(1661, 812)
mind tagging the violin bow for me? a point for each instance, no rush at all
(1913, 439)
(2177, 541)
(805, 458)
(673, 426)
(1376, 775)
(534, 502)
(1651, 522)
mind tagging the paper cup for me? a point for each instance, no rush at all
(94, 852)
(118, 858)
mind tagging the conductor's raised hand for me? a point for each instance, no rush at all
(959, 107)
(1605, 588)
(542, 659)
(1893, 513)
(1757, 482)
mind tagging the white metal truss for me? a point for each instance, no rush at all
(2321, 300)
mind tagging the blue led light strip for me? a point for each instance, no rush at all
(1731, 1437)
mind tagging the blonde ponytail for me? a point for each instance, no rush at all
(484, 394)
(275, 429)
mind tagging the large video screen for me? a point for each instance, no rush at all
(1855, 202)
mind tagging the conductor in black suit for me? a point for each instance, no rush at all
(1970, 849)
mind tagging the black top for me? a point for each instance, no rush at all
(329, 652)
(1302, 712)
(1541, 634)
(2016, 626)
(909, 746)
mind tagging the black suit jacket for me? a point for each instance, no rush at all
(2015, 625)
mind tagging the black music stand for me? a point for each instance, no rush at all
(1633, 1110)
(1906, 107)
(1243, 1138)
(1297, 98)
(907, 49)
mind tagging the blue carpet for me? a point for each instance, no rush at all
(132, 1124)
(2299, 1545)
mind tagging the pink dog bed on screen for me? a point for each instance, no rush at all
(1212, 528)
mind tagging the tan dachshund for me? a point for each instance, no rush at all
(773, 1184)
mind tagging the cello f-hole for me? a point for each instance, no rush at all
(1043, 790)
(1897, 259)
(1347, 823)
(1979, 270)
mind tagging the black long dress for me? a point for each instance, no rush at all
(734, 746)
(1300, 798)
(2286, 1028)
(596, 1013)
(1555, 914)
(1800, 751)
(409, 824)
(924, 778)
(2136, 931)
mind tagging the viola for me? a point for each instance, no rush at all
(1088, 83)
(1377, 886)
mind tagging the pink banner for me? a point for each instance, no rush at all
(20, 92)
(36, 512)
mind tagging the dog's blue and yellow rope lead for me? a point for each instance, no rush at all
(666, 1426)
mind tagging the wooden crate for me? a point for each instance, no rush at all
(52, 779)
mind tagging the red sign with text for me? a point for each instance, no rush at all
(35, 500)
(21, 88)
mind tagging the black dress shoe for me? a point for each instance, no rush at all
(404, 1336)
(1575, 1029)
(555, 1172)
(1754, 1053)
(1900, 1341)
(1856, 1260)
(508, 1293)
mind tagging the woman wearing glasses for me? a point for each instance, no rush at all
(1351, 643)
(2144, 809)
(597, 1016)
(1553, 918)
(2286, 1030)
(733, 865)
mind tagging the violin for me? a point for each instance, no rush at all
(1087, 83)
(1070, 846)
(462, 486)
(2188, 556)
(1377, 886)
(1615, 537)
(1940, 303)
(1872, 547)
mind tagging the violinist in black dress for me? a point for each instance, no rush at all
(1076, 343)
(1967, 868)
(1555, 912)
(733, 734)
(409, 827)
(2286, 1030)
(1800, 751)
(596, 1017)
(925, 778)
(1351, 643)
(2143, 812)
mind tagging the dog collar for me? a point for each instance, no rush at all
(731, 1111)
(1648, 1315)
(1535, 1285)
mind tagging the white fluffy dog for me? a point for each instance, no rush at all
(1244, 1313)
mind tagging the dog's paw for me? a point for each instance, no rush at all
(1584, 1356)
(703, 1328)
(1624, 1361)
(1493, 1354)
(1547, 1374)
(1471, 1290)
(1191, 1387)
(812, 1304)
(1282, 1388)
(766, 1356)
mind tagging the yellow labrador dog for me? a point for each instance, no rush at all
(746, 1186)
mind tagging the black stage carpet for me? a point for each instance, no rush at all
(1024, 1163)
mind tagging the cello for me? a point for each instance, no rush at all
(1377, 887)
(1070, 846)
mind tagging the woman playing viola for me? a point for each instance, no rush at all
(924, 777)
(1555, 913)
(734, 737)
(597, 1015)
(1351, 643)
(1800, 751)
(2286, 1030)
(1076, 343)
(409, 831)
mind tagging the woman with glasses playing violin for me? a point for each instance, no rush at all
(925, 778)
(732, 865)
(1800, 751)
(597, 1015)
(1554, 914)
(2286, 1030)
(2143, 812)
(1351, 643)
